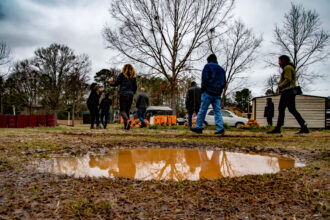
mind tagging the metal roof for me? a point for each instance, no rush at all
(279, 95)
(159, 108)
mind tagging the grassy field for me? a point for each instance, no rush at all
(27, 193)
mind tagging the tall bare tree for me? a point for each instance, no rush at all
(55, 64)
(165, 34)
(237, 50)
(26, 83)
(4, 53)
(302, 38)
(76, 85)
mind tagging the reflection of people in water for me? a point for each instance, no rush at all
(210, 168)
(192, 159)
(126, 166)
(103, 163)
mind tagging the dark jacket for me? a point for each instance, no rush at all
(105, 104)
(269, 109)
(142, 100)
(93, 100)
(213, 79)
(127, 86)
(193, 99)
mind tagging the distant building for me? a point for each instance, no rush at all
(311, 108)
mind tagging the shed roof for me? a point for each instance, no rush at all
(159, 108)
(279, 95)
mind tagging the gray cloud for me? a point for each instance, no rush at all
(30, 24)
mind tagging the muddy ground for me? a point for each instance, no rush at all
(26, 193)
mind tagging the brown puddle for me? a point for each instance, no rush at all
(169, 164)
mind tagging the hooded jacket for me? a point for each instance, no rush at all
(213, 79)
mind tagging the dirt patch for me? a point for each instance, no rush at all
(26, 193)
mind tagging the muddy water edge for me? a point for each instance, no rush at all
(27, 193)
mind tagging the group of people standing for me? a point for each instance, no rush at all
(128, 86)
(199, 99)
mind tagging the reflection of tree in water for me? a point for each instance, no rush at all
(226, 166)
(126, 166)
(102, 162)
(173, 167)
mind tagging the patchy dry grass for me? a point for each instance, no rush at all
(26, 193)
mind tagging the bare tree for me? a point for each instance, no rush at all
(165, 34)
(25, 83)
(236, 49)
(55, 64)
(76, 85)
(4, 53)
(302, 38)
(271, 84)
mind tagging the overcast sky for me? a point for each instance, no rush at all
(26, 25)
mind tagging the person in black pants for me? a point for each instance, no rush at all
(288, 98)
(128, 86)
(105, 108)
(93, 104)
(193, 101)
(269, 111)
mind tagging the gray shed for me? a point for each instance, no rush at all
(311, 108)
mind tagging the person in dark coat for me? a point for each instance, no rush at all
(269, 111)
(93, 104)
(105, 108)
(142, 102)
(288, 98)
(193, 101)
(127, 82)
(213, 82)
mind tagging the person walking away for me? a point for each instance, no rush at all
(269, 111)
(93, 105)
(213, 82)
(127, 82)
(193, 101)
(105, 108)
(288, 98)
(142, 102)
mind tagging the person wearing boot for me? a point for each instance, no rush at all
(288, 98)
(128, 86)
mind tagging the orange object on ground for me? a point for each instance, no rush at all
(122, 120)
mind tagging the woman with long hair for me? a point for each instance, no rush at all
(288, 97)
(127, 82)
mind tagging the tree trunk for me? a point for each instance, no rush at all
(55, 117)
(73, 108)
(224, 95)
(173, 98)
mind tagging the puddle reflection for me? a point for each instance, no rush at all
(169, 164)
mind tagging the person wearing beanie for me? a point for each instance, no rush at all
(213, 82)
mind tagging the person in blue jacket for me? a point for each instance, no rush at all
(213, 82)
